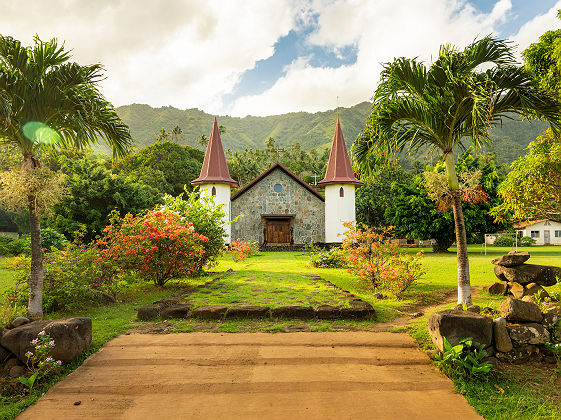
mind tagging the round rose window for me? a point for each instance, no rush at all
(277, 188)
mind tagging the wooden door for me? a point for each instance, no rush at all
(278, 231)
(546, 239)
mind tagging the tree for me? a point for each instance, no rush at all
(532, 189)
(543, 58)
(162, 136)
(176, 133)
(47, 101)
(443, 107)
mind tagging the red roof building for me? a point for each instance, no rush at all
(215, 169)
(339, 169)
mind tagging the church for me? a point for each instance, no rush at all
(277, 208)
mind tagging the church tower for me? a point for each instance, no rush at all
(340, 184)
(214, 180)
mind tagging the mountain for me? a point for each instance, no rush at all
(310, 130)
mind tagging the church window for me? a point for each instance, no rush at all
(341, 192)
(213, 191)
(277, 188)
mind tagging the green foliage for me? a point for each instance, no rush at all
(375, 199)
(94, 192)
(532, 188)
(463, 360)
(73, 276)
(332, 258)
(504, 240)
(206, 218)
(50, 239)
(526, 241)
(167, 167)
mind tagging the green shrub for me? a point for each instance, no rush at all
(526, 241)
(464, 360)
(504, 240)
(206, 219)
(73, 276)
(50, 239)
(332, 258)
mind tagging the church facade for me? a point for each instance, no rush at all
(278, 208)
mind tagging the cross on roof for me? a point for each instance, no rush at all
(315, 179)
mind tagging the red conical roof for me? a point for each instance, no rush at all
(215, 168)
(339, 169)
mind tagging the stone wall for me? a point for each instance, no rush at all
(261, 200)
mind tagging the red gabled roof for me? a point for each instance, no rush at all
(339, 169)
(215, 168)
(529, 223)
(267, 172)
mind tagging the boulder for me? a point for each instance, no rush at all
(532, 333)
(512, 259)
(546, 275)
(532, 289)
(517, 290)
(455, 325)
(474, 308)
(209, 312)
(248, 312)
(19, 321)
(17, 371)
(503, 343)
(518, 354)
(328, 312)
(175, 311)
(498, 288)
(300, 312)
(148, 312)
(515, 310)
(72, 336)
(550, 319)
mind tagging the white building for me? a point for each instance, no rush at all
(545, 231)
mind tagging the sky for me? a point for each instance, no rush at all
(263, 57)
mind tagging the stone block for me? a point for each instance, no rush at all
(456, 325)
(531, 333)
(512, 259)
(248, 312)
(498, 288)
(515, 310)
(517, 290)
(529, 273)
(148, 312)
(209, 312)
(178, 310)
(300, 312)
(360, 312)
(328, 312)
(503, 342)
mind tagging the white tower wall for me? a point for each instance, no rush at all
(222, 197)
(338, 210)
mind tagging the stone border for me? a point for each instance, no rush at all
(169, 308)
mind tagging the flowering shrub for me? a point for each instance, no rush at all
(159, 246)
(39, 362)
(332, 258)
(372, 258)
(240, 250)
(72, 276)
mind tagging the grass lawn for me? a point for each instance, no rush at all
(282, 278)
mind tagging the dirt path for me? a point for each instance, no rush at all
(344, 375)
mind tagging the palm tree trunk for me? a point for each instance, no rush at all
(35, 305)
(464, 285)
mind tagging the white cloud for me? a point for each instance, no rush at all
(185, 53)
(533, 29)
(380, 31)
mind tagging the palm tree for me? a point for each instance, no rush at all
(40, 88)
(446, 105)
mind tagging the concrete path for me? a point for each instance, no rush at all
(346, 375)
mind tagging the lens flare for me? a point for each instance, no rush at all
(40, 133)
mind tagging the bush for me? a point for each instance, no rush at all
(158, 246)
(526, 241)
(464, 360)
(504, 240)
(73, 276)
(206, 218)
(332, 258)
(371, 257)
(50, 239)
(240, 250)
